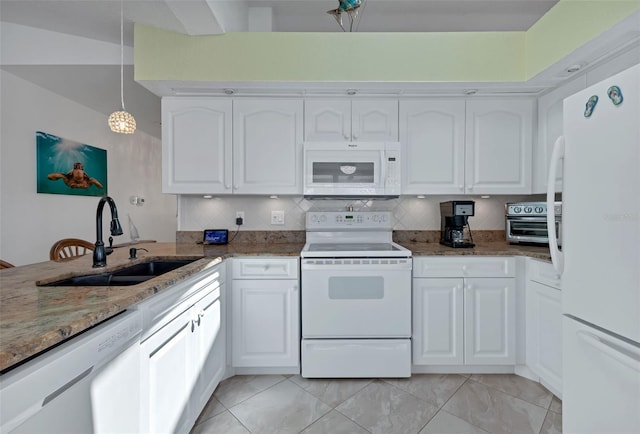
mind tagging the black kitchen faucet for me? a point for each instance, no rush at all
(100, 253)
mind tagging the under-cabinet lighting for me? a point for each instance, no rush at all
(273, 196)
(485, 196)
(420, 196)
(207, 196)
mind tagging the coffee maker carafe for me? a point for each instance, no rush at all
(454, 227)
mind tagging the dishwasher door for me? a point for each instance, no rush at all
(86, 385)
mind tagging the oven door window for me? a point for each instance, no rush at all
(524, 228)
(356, 288)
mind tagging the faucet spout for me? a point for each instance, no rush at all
(99, 252)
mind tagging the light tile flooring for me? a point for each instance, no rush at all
(424, 404)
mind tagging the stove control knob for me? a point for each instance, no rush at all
(517, 210)
(539, 209)
(323, 218)
(314, 219)
(375, 217)
(527, 209)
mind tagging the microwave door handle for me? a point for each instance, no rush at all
(557, 257)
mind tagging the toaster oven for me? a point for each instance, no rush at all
(526, 222)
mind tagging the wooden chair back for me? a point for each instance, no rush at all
(70, 248)
(4, 264)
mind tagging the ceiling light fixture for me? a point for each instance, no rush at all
(122, 121)
(350, 7)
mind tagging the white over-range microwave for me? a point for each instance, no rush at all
(351, 170)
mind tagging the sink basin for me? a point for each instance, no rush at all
(152, 268)
(132, 275)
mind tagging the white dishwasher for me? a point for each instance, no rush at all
(86, 385)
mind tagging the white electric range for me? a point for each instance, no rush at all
(356, 297)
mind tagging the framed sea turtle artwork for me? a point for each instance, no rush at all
(68, 167)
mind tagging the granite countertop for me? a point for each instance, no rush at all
(493, 248)
(34, 318)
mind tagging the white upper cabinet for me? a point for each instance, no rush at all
(344, 120)
(267, 144)
(499, 134)
(432, 132)
(196, 145)
(550, 120)
(478, 146)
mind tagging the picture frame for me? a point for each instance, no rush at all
(68, 167)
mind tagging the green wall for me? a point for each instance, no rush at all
(568, 25)
(372, 57)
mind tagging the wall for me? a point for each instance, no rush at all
(29, 222)
(409, 212)
(375, 56)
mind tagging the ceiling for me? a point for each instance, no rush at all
(100, 19)
(93, 85)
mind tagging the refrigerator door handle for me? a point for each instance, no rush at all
(629, 360)
(557, 257)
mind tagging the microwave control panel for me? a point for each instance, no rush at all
(392, 178)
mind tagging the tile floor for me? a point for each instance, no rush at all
(424, 404)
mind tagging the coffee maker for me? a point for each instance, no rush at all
(454, 227)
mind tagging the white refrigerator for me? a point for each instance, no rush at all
(600, 257)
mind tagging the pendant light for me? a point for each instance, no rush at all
(122, 121)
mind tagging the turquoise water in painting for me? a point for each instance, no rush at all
(56, 155)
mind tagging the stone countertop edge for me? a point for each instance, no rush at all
(34, 318)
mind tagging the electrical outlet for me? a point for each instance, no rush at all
(277, 217)
(239, 218)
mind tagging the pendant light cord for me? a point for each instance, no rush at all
(122, 54)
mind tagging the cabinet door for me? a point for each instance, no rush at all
(267, 145)
(489, 321)
(374, 120)
(544, 334)
(498, 146)
(196, 145)
(432, 132)
(167, 377)
(438, 332)
(210, 343)
(550, 120)
(265, 323)
(327, 120)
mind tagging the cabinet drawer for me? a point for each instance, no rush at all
(543, 272)
(464, 266)
(264, 268)
(162, 308)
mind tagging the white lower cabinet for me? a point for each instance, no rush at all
(167, 377)
(182, 353)
(265, 313)
(544, 326)
(490, 323)
(461, 320)
(438, 331)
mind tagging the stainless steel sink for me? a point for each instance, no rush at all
(132, 275)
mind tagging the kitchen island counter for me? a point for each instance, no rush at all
(34, 318)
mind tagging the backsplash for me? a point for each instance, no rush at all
(410, 213)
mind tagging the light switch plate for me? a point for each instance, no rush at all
(277, 217)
